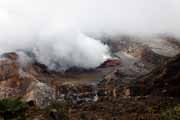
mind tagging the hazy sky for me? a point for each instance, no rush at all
(144, 16)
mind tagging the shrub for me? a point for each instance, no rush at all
(13, 108)
(171, 114)
(59, 109)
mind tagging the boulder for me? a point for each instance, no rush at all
(40, 93)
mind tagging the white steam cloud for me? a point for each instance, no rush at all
(56, 31)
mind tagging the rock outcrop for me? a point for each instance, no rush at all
(16, 81)
(164, 80)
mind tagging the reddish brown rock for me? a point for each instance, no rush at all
(110, 63)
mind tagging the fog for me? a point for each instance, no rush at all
(58, 31)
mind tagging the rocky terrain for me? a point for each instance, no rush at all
(140, 82)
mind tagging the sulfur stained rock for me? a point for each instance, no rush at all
(8, 69)
(9, 76)
(16, 81)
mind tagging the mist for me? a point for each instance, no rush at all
(58, 32)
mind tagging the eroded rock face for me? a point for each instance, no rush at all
(9, 76)
(7, 92)
(151, 51)
(8, 66)
(164, 80)
(16, 81)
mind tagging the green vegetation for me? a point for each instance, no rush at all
(165, 111)
(58, 109)
(13, 109)
(171, 114)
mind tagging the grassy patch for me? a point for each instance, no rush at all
(13, 109)
(58, 110)
(171, 114)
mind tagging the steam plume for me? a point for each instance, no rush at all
(57, 31)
